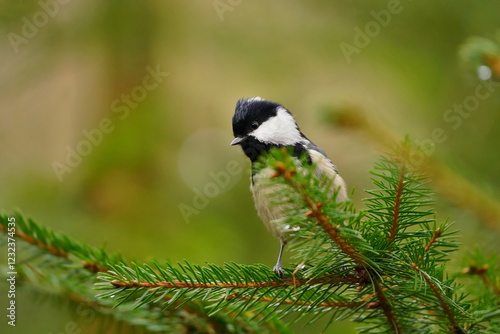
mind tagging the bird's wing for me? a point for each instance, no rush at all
(318, 156)
(309, 145)
(324, 166)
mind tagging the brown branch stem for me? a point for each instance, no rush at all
(315, 211)
(481, 272)
(435, 236)
(91, 266)
(176, 284)
(397, 206)
(386, 308)
(444, 306)
(29, 239)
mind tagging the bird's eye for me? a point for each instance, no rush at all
(254, 125)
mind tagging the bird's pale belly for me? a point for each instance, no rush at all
(273, 202)
(270, 201)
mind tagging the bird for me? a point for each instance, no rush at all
(260, 125)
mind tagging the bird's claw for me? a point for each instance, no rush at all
(279, 271)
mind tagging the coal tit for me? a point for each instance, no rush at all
(258, 126)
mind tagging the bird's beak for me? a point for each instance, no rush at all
(237, 140)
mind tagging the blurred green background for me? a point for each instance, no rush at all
(67, 66)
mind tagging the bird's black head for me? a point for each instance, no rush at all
(259, 125)
(249, 114)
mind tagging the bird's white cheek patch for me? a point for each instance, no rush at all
(280, 129)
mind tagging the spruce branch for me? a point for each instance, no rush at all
(383, 267)
(435, 236)
(332, 304)
(58, 244)
(387, 308)
(44, 243)
(175, 284)
(449, 183)
(397, 206)
(455, 328)
(56, 265)
(332, 230)
(487, 269)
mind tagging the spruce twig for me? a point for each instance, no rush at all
(397, 207)
(387, 308)
(435, 236)
(446, 181)
(315, 211)
(444, 306)
(375, 266)
(37, 242)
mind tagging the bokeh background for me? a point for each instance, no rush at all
(65, 72)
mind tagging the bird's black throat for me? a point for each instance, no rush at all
(253, 149)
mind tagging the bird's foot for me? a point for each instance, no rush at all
(278, 270)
